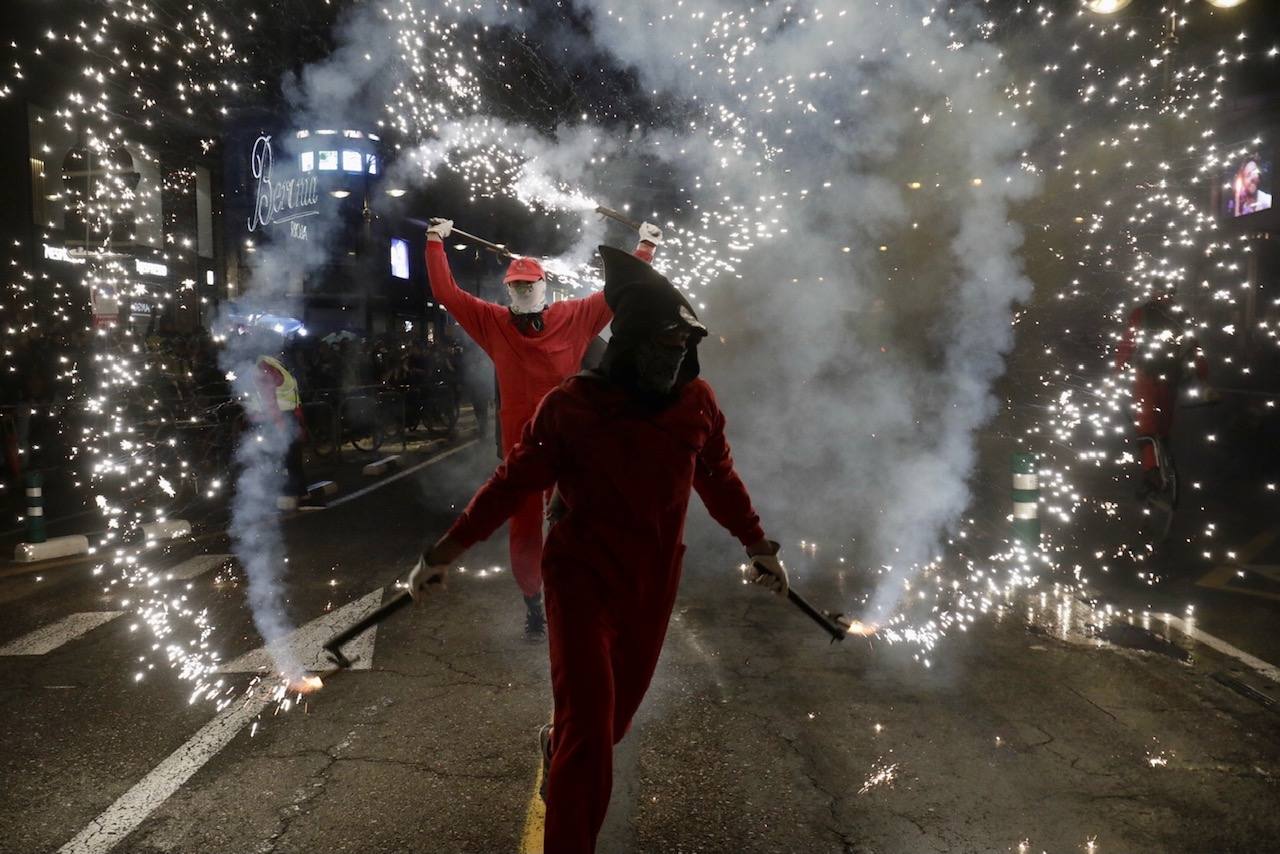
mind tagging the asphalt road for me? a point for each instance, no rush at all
(1025, 733)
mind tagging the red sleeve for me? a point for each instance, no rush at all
(1125, 351)
(530, 467)
(470, 311)
(594, 314)
(719, 486)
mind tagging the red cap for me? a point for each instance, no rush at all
(523, 270)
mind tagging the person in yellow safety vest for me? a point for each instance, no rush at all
(278, 394)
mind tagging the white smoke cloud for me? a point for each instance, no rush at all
(839, 185)
(854, 378)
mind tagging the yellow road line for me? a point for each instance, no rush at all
(534, 819)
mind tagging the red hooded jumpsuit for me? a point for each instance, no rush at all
(611, 564)
(529, 365)
(1155, 386)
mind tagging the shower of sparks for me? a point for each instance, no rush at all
(142, 67)
(882, 774)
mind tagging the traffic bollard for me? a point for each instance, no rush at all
(35, 508)
(1026, 500)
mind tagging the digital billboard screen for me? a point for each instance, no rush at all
(1248, 186)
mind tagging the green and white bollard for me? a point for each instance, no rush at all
(1026, 500)
(35, 508)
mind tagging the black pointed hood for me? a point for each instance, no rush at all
(644, 304)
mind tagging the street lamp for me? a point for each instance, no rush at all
(1110, 7)
(1105, 7)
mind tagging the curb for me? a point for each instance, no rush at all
(169, 529)
(54, 547)
(324, 487)
(382, 466)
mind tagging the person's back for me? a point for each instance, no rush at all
(626, 461)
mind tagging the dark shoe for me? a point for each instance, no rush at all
(535, 620)
(544, 745)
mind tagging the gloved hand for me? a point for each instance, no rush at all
(770, 571)
(440, 227)
(650, 233)
(426, 577)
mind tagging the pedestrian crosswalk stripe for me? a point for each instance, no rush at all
(132, 808)
(1188, 628)
(54, 635)
(303, 644)
(195, 566)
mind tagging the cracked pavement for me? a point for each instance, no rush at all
(757, 735)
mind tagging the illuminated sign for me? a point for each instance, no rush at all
(279, 200)
(150, 268)
(59, 253)
(328, 161)
(351, 161)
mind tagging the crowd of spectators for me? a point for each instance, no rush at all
(46, 375)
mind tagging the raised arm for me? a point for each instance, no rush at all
(470, 311)
(650, 238)
(594, 312)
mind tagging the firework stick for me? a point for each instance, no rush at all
(617, 217)
(829, 622)
(495, 248)
(333, 646)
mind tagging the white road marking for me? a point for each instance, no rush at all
(132, 808)
(361, 492)
(198, 565)
(54, 635)
(1268, 670)
(303, 643)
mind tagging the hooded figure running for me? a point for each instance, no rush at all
(624, 445)
(533, 347)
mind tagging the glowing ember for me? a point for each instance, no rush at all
(305, 685)
(862, 629)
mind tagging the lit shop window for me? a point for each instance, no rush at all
(307, 161)
(328, 161)
(351, 161)
(372, 160)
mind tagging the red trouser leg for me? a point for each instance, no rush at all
(1156, 400)
(526, 545)
(581, 775)
(598, 678)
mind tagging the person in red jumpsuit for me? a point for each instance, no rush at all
(1155, 346)
(624, 444)
(533, 346)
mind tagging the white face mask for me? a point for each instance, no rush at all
(530, 298)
